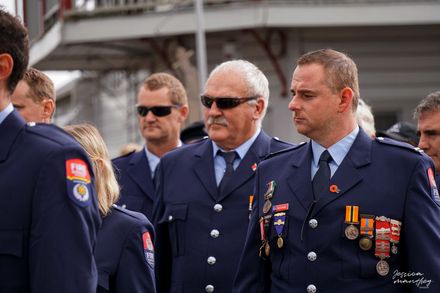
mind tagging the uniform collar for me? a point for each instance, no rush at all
(242, 149)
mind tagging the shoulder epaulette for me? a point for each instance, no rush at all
(125, 155)
(130, 213)
(396, 143)
(198, 140)
(277, 139)
(271, 155)
(50, 131)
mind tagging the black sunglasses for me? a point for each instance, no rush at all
(224, 102)
(159, 111)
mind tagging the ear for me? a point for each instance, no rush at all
(259, 107)
(6, 66)
(48, 109)
(184, 112)
(346, 100)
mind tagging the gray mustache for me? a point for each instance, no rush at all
(217, 120)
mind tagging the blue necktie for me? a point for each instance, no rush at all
(229, 159)
(321, 180)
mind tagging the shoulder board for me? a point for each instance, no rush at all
(197, 140)
(278, 140)
(50, 131)
(125, 155)
(130, 213)
(396, 143)
(300, 145)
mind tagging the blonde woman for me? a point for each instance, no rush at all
(124, 251)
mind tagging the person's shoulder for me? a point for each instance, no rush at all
(125, 157)
(278, 144)
(389, 144)
(286, 151)
(130, 217)
(185, 149)
(50, 133)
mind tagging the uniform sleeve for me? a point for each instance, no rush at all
(163, 251)
(421, 230)
(253, 274)
(65, 221)
(136, 266)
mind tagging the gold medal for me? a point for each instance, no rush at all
(280, 242)
(266, 207)
(365, 243)
(351, 232)
(267, 249)
(382, 268)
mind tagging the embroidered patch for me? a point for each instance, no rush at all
(78, 182)
(148, 249)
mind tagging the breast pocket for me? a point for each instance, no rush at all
(175, 215)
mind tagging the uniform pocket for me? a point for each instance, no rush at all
(175, 215)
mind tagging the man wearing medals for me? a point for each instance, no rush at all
(352, 213)
(204, 189)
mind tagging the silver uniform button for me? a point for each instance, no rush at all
(218, 207)
(311, 288)
(312, 256)
(211, 260)
(313, 223)
(170, 218)
(215, 233)
(209, 288)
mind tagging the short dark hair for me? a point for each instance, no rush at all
(14, 41)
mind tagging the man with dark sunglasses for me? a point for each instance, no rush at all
(205, 190)
(162, 107)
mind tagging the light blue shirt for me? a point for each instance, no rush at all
(154, 160)
(219, 162)
(5, 112)
(338, 151)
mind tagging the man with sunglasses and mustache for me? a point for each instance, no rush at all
(205, 190)
(162, 107)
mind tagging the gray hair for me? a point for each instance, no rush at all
(365, 118)
(256, 82)
(428, 104)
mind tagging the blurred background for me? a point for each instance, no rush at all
(98, 52)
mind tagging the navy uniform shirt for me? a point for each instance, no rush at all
(48, 212)
(200, 234)
(382, 178)
(125, 253)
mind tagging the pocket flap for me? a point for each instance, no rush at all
(174, 212)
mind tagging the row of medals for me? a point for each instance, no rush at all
(265, 220)
(382, 248)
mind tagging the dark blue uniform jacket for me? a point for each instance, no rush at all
(383, 178)
(48, 222)
(199, 235)
(137, 188)
(125, 254)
